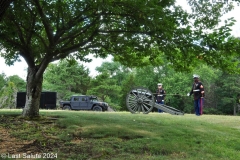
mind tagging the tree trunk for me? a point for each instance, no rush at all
(238, 107)
(33, 95)
(234, 110)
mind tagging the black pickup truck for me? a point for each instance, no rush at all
(84, 102)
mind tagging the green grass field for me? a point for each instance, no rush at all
(122, 135)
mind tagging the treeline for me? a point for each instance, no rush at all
(9, 86)
(114, 81)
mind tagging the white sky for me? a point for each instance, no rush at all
(20, 68)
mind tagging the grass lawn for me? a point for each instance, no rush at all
(121, 135)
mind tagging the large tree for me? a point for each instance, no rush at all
(18, 82)
(115, 70)
(227, 90)
(134, 32)
(214, 39)
(67, 78)
(104, 86)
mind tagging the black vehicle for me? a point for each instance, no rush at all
(84, 102)
(48, 100)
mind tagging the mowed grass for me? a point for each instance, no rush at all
(122, 135)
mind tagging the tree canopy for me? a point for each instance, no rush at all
(135, 32)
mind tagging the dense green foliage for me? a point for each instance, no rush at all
(135, 33)
(18, 82)
(227, 90)
(8, 95)
(114, 81)
(66, 78)
(9, 86)
(2, 80)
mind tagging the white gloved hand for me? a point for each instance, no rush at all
(162, 100)
(188, 94)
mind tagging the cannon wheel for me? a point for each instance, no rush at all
(140, 100)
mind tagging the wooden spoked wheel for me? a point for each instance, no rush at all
(140, 100)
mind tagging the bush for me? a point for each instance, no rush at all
(211, 111)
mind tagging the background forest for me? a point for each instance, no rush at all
(114, 81)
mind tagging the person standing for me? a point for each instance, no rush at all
(198, 94)
(160, 95)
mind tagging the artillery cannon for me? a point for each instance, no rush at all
(142, 100)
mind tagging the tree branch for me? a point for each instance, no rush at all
(19, 31)
(74, 48)
(123, 31)
(31, 28)
(78, 45)
(70, 24)
(43, 65)
(61, 31)
(47, 27)
(26, 55)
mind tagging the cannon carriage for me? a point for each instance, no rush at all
(143, 100)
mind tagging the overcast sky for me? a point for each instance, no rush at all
(19, 68)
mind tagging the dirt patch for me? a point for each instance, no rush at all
(13, 145)
(16, 146)
(20, 137)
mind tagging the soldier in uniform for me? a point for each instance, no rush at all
(198, 93)
(160, 95)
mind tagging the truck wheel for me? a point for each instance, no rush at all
(66, 107)
(97, 108)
